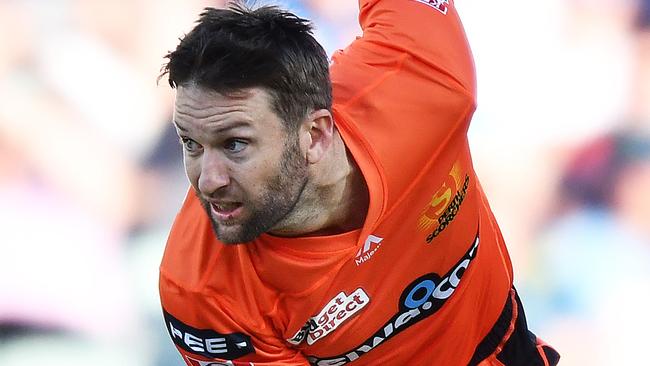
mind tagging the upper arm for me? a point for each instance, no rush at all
(428, 31)
(407, 86)
(431, 37)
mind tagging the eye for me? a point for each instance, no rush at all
(190, 145)
(235, 145)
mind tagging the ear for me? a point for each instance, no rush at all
(317, 134)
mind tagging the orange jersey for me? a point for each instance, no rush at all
(426, 277)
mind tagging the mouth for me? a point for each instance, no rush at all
(226, 211)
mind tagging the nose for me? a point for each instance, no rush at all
(214, 173)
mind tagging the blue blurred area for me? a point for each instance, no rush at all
(91, 173)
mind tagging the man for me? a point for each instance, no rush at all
(326, 234)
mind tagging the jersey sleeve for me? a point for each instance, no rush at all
(428, 31)
(406, 87)
(212, 309)
(206, 332)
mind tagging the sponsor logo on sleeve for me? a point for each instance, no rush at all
(341, 308)
(207, 342)
(445, 203)
(422, 298)
(440, 5)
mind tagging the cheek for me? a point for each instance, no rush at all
(257, 177)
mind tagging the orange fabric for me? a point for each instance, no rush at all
(540, 348)
(511, 327)
(542, 355)
(492, 359)
(425, 278)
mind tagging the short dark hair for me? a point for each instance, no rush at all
(239, 47)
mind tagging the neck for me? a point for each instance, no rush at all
(335, 199)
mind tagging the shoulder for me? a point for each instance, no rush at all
(189, 245)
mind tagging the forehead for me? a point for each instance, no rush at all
(194, 104)
(197, 97)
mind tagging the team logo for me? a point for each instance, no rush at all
(444, 204)
(440, 5)
(341, 308)
(207, 342)
(422, 298)
(369, 248)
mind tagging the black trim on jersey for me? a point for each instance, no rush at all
(521, 348)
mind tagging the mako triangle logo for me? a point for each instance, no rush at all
(369, 248)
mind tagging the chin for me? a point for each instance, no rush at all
(230, 234)
(233, 234)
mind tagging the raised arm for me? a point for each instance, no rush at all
(407, 86)
(428, 31)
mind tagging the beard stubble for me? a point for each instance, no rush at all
(279, 198)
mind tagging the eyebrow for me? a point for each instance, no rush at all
(220, 129)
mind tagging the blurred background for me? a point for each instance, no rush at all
(91, 174)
